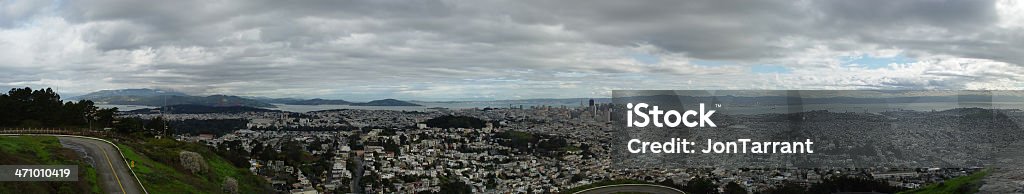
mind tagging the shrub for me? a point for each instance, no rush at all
(230, 185)
(193, 162)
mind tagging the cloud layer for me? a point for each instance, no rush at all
(494, 49)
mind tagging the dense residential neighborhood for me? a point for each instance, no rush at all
(538, 149)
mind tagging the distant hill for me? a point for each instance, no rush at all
(274, 100)
(150, 97)
(385, 102)
(317, 101)
(201, 109)
(128, 92)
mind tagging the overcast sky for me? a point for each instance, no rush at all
(493, 49)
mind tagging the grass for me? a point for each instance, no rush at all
(964, 184)
(157, 177)
(42, 150)
(159, 171)
(90, 173)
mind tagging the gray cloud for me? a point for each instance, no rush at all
(504, 49)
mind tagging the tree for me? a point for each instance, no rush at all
(234, 152)
(266, 152)
(103, 117)
(193, 162)
(294, 154)
(157, 124)
(391, 145)
(128, 125)
(734, 188)
(24, 107)
(257, 150)
(230, 185)
(701, 185)
(455, 186)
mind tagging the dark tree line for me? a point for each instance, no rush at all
(234, 152)
(24, 107)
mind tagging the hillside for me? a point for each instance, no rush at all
(156, 97)
(964, 184)
(45, 151)
(149, 97)
(318, 101)
(386, 102)
(202, 109)
(144, 92)
(160, 170)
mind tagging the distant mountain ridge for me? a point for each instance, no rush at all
(386, 102)
(151, 97)
(318, 101)
(202, 109)
(158, 98)
(274, 100)
(142, 92)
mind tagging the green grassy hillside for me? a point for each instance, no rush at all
(158, 167)
(39, 150)
(964, 184)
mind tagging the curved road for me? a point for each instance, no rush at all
(631, 188)
(113, 173)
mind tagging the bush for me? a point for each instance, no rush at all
(230, 185)
(193, 162)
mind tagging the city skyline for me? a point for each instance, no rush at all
(497, 50)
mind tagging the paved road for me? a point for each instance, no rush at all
(358, 175)
(631, 188)
(113, 174)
